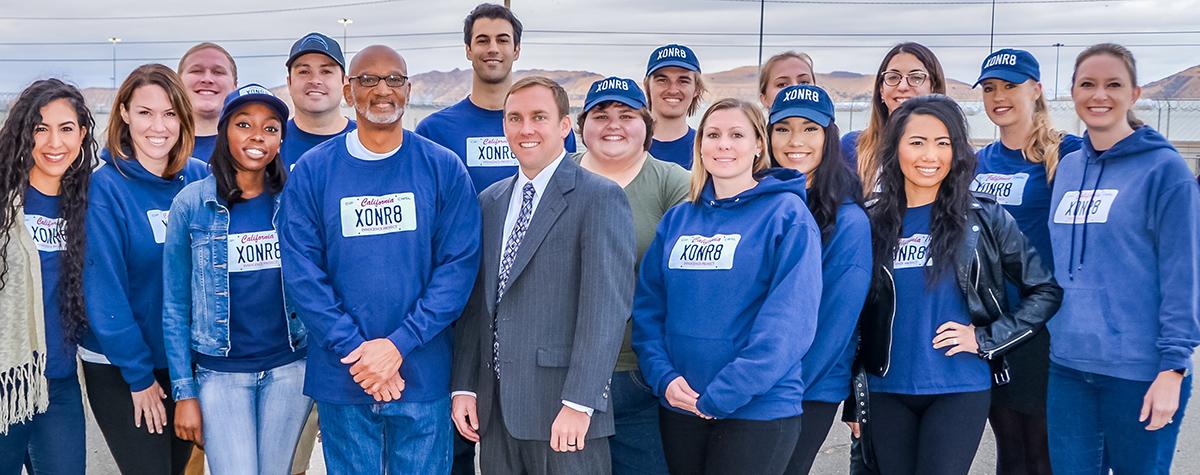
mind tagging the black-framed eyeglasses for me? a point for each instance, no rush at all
(371, 80)
(915, 79)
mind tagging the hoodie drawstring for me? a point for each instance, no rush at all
(1075, 219)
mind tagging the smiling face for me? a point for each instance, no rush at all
(492, 50)
(798, 143)
(533, 127)
(208, 77)
(925, 154)
(153, 122)
(786, 72)
(906, 65)
(1009, 104)
(57, 141)
(1103, 92)
(728, 145)
(254, 132)
(672, 90)
(315, 84)
(380, 104)
(614, 132)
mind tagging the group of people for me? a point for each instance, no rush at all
(666, 300)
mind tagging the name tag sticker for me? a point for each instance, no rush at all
(253, 251)
(489, 152)
(704, 252)
(372, 215)
(158, 224)
(48, 233)
(1008, 189)
(1087, 206)
(912, 252)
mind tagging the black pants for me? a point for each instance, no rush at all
(927, 435)
(1022, 445)
(816, 421)
(695, 446)
(463, 458)
(135, 449)
(502, 454)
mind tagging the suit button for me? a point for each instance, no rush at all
(605, 395)
(975, 228)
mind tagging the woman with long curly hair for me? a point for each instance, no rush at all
(46, 155)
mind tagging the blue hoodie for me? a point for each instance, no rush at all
(728, 298)
(123, 271)
(384, 248)
(846, 278)
(1127, 218)
(849, 146)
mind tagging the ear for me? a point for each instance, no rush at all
(347, 94)
(516, 52)
(467, 51)
(124, 114)
(565, 125)
(1137, 94)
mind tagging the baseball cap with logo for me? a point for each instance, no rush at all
(625, 91)
(317, 43)
(253, 93)
(672, 55)
(1012, 65)
(804, 100)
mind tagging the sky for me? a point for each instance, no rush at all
(69, 38)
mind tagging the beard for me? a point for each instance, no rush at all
(381, 118)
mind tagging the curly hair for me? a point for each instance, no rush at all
(16, 160)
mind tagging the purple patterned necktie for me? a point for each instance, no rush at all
(510, 254)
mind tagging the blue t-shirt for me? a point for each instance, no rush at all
(258, 331)
(916, 367)
(476, 135)
(678, 151)
(47, 228)
(204, 147)
(296, 141)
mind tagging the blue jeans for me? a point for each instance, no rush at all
(636, 447)
(253, 420)
(53, 441)
(395, 438)
(1092, 421)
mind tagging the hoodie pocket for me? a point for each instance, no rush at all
(1082, 330)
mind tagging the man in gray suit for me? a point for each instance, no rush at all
(538, 341)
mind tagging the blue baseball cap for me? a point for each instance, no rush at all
(1012, 65)
(804, 100)
(253, 93)
(317, 43)
(672, 55)
(625, 91)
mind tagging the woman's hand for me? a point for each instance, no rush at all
(855, 429)
(681, 396)
(961, 338)
(148, 405)
(188, 422)
(1161, 400)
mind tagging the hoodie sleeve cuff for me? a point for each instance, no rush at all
(661, 389)
(141, 383)
(1173, 362)
(707, 407)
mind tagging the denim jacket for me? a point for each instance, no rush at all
(196, 284)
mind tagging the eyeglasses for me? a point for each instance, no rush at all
(892, 79)
(371, 80)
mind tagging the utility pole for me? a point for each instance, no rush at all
(345, 25)
(114, 40)
(508, 4)
(992, 35)
(1057, 50)
(762, 9)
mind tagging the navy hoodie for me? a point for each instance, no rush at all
(123, 270)
(1127, 218)
(728, 298)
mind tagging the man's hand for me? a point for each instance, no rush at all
(391, 389)
(374, 363)
(188, 422)
(569, 430)
(466, 419)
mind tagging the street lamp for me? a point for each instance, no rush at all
(1057, 49)
(114, 40)
(345, 25)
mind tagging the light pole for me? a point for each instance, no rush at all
(345, 25)
(1057, 49)
(762, 10)
(114, 40)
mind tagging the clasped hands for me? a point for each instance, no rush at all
(375, 365)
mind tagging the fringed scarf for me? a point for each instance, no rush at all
(23, 391)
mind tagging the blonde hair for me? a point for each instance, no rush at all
(764, 73)
(119, 139)
(697, 79)
(761, 162)
(1042, 146)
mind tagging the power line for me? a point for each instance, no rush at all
(928, 3)
(194, 15)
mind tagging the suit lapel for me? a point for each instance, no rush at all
(495, 208)
(549, 209)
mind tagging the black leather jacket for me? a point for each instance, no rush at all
(995, 250)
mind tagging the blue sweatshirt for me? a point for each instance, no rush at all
(849, 146)
(204, 147)
(384, 248)
(846, 278)
(47, 228)
(297, 141)
(123, 270)
(678, 151)
(476, 135)
(728, 296)
(1127, 218)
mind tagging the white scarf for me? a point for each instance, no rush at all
(23, 387)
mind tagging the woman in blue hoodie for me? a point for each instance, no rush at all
(236, 358)
(804, 137)
(46, 154)
(124, 364)
(1018, 170)
(1126, 215)
(726, 304)
(936, 314)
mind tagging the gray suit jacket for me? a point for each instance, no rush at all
(569, 294)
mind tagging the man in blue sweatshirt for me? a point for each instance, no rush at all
(379, 233)
(316, 73)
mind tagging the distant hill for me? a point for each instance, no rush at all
(842, 85)
(1181, 85)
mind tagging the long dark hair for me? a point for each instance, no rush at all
(225, 172)
(832, 182)
(948, 220)
(16, 160)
